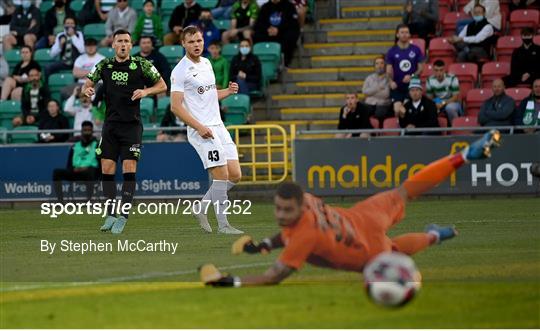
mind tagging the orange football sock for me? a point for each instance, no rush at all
(412, 243)
(432, 175)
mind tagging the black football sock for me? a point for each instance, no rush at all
(128, 189)
(109, 191)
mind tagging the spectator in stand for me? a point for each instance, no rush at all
(474, 41)
(278, 22)
(402, 61)
(4, 71)
(12, 86)
(246, 69)
(148, 24)
(95, 11)
(82, 164)
(83, 65)
(525, 65)
(493, 13)
(170, 120)
(443, 89)
(223, 10)
(69, 44)
(182, 16)
(528, 112)
(353, 116)
(53, 120)
(243, 18)
(83, 110)
(34, 100)
(53, 23)
(421, 17)
(122, 16)
(376, 88)
(301, 10)
(146, 43)
(210, 31)
(417, 111)
(104, 7)
(219, 64)
(24, 26)
(520, 4)
(499, 109)
(7, 8)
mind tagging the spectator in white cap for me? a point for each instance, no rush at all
(417, 111)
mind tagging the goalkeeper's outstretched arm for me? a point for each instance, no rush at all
(210, 275)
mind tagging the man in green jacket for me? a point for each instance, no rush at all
(148, 24)
(219, 64)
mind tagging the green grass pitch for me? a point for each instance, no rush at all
(487, 277)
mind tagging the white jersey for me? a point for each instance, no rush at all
(198, 83)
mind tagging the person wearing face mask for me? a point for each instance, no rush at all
(24, 26)
(376, 88)
(525, 63)
(210, 32)
(246, 69)
(82, 165)
(53, 23)
(33, 101)
(475, 40)
(493, 13)
(69, 44)
(82, 110)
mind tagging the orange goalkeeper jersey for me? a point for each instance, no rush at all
(341, 238)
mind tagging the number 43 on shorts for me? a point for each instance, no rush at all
(213, 156)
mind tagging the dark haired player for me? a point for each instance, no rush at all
(126, 80)
(347, 238)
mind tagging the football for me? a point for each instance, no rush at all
(392, 279)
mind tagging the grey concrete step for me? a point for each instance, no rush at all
(364, 3)
(323, 113)
(305, 124)
(308, 100)
(371, 23)
(317, 87)
(346, 48)
(372, 11)
(334, 61)
(325, 74)
(360, 35)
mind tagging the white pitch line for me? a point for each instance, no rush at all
(126, 278)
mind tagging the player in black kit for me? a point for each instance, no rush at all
(124, 79)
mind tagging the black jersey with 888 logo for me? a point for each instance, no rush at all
(120, 79)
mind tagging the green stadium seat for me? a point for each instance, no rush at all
(270, 56)
(12, 57)
(135, 50)
(147, 109)
(228, 51)
(165, 24)
(57, 82)
(94, 30)
(235, 118)
(167, 7)
(9, 109)
(173, 53)
(150, 135)
(223, 24)
(208, 3)
(106, 51)
(237, 103)
(24, 138)
(44, 6)
(76, 5)
(269, 71)
(138, 4)
(43, 56)
(162, 104)
(3, 135)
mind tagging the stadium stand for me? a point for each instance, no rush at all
(492, 71)
(474, 100)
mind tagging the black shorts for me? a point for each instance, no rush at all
(122, 140)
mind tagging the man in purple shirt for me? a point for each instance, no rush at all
(403, 61)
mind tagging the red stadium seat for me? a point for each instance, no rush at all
(523, 18)
(441, 49)
(450, 21)
(467, 73)
(518, 94)
(374, 122)
(505, 47)
(426, 72)
(474, 100)
(462, 122)
(494, 70)
(391, 123)
(420, 43)
(460, 4)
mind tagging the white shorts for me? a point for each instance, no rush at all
(214, 152)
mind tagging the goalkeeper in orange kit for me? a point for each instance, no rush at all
(347, 238)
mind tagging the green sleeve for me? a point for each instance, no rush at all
(158, 27)
(138, 28)
(150, 73)
(254, 9)
(225, 73)
(95, 75)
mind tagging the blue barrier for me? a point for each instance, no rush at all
(166, 170)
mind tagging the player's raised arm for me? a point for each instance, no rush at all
(178, 109)
(232, 89)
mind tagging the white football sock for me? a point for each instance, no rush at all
(219, 198)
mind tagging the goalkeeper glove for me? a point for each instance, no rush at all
(246, 244)
(210, 275)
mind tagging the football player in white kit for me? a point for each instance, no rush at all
(194, 99)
